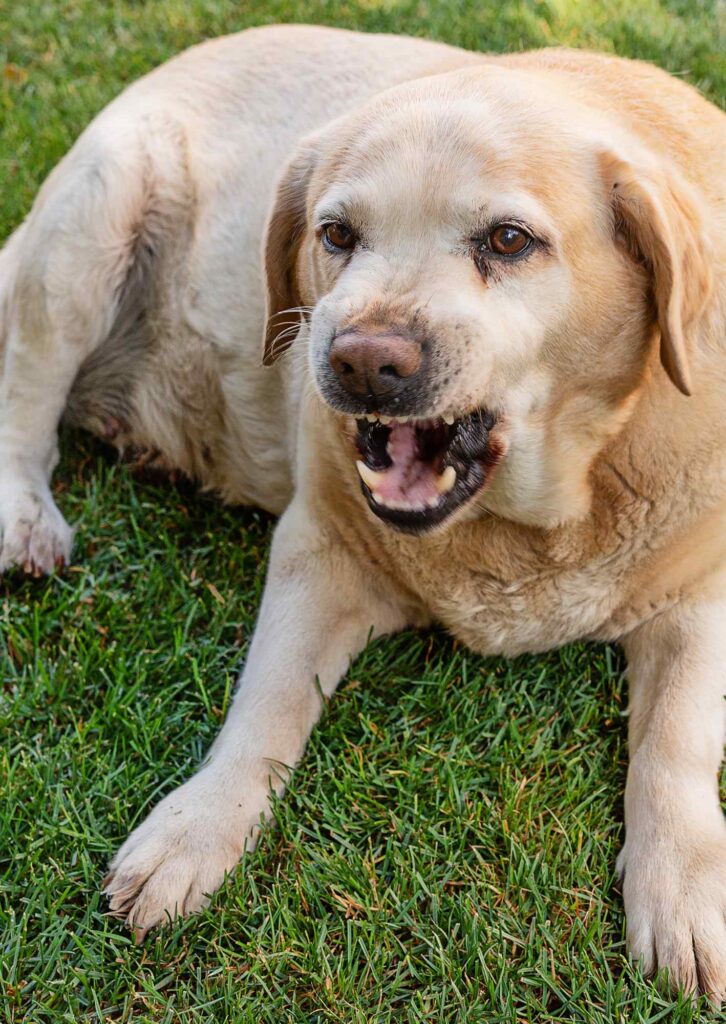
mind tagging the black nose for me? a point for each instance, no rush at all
(374, 366)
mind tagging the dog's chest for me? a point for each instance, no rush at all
(504, 589)
(508, 599)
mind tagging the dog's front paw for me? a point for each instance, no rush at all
(674, 891)
(34, 536)
(174, 860)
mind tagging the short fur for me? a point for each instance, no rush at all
(133, 299)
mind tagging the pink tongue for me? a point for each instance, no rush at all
(408, 480)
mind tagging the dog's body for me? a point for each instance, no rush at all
(595, 505)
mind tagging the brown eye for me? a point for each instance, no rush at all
(508, 240)
(338, 236)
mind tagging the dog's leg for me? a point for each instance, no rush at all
(674, 858)
(63, 276)
(39, 372)
(319, 609)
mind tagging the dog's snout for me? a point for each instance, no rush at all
(374, 366)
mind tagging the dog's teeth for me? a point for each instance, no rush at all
(402, 506)
(371, 418)
(385, 420)
(448, 419)
(369, 476)
(446, 481)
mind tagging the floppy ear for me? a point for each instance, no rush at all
(657, 216)
(283, 234)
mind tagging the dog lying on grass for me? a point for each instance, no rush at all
(493, 301)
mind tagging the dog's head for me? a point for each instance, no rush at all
(484, 267)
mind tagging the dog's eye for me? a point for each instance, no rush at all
(508, 240)
(338, 236)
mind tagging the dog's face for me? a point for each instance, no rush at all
(484, 283)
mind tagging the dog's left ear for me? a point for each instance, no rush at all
(284, 232)
(657, 216)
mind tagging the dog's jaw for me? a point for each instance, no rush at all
(416, 474)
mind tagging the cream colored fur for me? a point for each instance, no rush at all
(133, 298)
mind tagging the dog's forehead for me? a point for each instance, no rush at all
(449, 148)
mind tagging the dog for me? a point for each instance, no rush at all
(460, 321)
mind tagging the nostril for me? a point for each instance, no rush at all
(376, 364)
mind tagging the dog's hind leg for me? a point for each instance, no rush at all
(63, 278)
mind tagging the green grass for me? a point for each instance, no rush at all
(446, 849)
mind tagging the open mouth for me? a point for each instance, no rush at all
(416, 473)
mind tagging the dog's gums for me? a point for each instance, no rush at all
(416, 473)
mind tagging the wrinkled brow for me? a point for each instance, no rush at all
(336, 204)
(515, 207)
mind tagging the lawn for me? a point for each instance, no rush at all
(446, 850)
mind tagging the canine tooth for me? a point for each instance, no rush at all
(385, 420)
(368, 475)
(371, 418)
(446, 481)
(432, 502)
(448, 419)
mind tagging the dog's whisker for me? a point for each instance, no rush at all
(287, 332)
(305, 310)
(284, 336)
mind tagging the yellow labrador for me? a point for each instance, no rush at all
(500, 291)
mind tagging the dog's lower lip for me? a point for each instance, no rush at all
(416, 472)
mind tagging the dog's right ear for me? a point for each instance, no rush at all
(284, 233)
